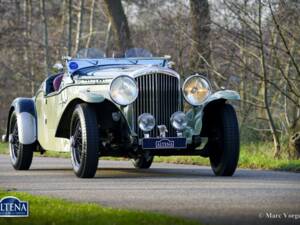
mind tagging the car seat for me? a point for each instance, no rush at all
(57, 82)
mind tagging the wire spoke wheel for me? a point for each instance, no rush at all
(77, 142)
(20, 154)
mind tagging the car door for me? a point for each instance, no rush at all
(47, 107)
(42, 130)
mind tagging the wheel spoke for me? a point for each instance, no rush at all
(77, 135)
(15, 143)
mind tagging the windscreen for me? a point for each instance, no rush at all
(90, 53)
(137, 52)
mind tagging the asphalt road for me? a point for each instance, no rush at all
(249, 197)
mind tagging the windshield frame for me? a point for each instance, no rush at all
(88, 64)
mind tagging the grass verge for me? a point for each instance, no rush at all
(254, 156)
(53, 211)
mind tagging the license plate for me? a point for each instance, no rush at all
(164, 143)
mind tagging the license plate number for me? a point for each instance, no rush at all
(164, 143)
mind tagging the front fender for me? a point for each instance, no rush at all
(195, 115)
(91, 97)
(104, 107)
(26, 119)
(224, 94)
(62, 129)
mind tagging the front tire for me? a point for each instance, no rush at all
(224, 142)
(20, 155)
(84, 141)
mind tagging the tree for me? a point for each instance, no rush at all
(266, 101)
(70, 27)
(118, 19)
(79, 26)
(45, 28)
(28, 54)
(200, 21)
(91, 25)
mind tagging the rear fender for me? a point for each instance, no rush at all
(26, 119)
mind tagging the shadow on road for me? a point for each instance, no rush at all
(170, 173)
(125, 173)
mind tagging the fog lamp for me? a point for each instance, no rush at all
(179, 121)
(146, 122)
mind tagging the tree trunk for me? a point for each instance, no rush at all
(117, 17)
(61, 50)
(107, 38)
(70, 28)
(25, 36)
(295, 144)
(29, 47)
(265, 86)
(91, 25)
(200, 21)
(45, 34)
(79, 26)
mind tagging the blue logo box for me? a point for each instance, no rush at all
(13, 207)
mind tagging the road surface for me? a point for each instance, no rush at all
(249, 197)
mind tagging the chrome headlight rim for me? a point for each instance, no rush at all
(110, 91)
(209, 90)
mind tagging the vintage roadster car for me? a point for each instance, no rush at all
(130, 106)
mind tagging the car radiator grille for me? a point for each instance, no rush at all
(159, 96)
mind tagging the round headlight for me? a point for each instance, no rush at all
(123, 90)
(146, 122)
(179, 121)
(196, 90)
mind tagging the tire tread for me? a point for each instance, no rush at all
(88, 119)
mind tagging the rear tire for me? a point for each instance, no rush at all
(20, 155)
(224, 142)
(143, 162)
(84, 141)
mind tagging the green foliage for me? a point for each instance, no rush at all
(260, 156)
(53, 211)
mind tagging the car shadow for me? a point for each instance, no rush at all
(152, 173)
(171, 173)
(133, 173)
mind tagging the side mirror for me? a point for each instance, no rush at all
(58, 67)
